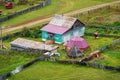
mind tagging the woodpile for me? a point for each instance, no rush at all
(49, 42)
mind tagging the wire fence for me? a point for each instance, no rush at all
(45, 3)
(109, 6)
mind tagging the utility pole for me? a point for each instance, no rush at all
(1, 45)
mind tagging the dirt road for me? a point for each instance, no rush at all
(68, 14)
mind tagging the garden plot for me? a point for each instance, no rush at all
(54, 71)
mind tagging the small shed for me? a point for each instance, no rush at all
(30, 45)
(9, 5)
(74, 52)
(77, 41)
(62, 28)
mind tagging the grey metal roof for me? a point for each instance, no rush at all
(20, 42)
(63, 21)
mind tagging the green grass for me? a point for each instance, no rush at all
(109, 17)
(16, 7)
(110, 57)
(102, 31)
(55, 71)
(9, 62)
(57, 6)
(95, 44)
(46, 11)
(101, 41)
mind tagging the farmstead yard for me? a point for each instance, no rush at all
(105, 65)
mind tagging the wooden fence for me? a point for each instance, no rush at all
(10, 35)
(4, 52)
(97, 9)
(90, 57)
(110, 45)
(20, 68)
(103, 35)
(103, 27)
(45, 3)
(86, 33)
(95, 65)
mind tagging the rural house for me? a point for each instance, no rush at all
(62, 28)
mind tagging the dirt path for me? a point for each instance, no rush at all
(68, 14)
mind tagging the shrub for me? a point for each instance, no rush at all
(33, 32)
(117, 23)
(25, 32)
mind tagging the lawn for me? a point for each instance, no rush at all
(103, 31)
(55, 71)
(16, 8)
(110, 57)
(57, 6)
(109, 17)
(9, 62)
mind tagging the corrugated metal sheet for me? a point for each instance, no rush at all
(55, 29)
(63, 21)
(29, 44)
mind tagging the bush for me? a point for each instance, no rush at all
(117, 23)
(25, 32)
(33, 32)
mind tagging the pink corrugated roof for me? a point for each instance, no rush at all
(78, 42)
(55, 29)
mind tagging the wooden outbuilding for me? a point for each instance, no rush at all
(30, 45)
